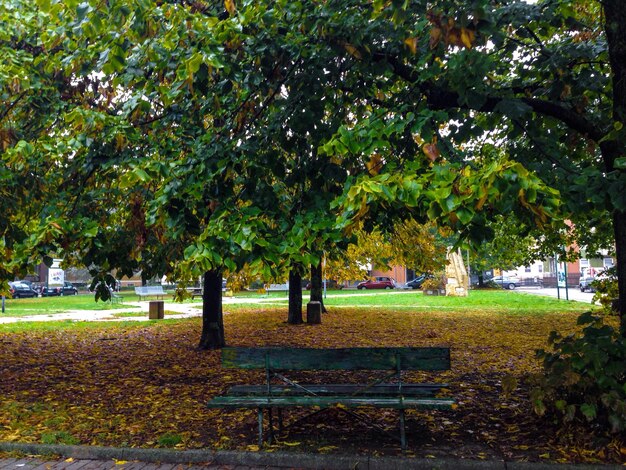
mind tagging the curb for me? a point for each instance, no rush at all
(280, 459)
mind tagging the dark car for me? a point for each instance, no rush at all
(68, 289)
(51, 291)
(21, 290)
(418, 281)
(377, 283)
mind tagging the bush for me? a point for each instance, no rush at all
(434, 283)
(584, 376)
(606, 290)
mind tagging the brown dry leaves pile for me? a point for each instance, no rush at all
(145, 386)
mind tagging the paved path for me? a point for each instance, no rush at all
(86, 464)
(184, 310)
(570, 294)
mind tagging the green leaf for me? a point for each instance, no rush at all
(588, 410)
(620, 163)
(141, 174)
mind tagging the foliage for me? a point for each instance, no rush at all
(420, 247)
(584, 376)
(406, 243)
(437, 282)
(369, 248)
(606, 290)
(511, 246)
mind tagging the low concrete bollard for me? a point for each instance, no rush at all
(314, 312)
(156, 310)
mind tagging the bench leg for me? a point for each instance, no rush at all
(280, 420)
(260, 428)
(402, 430)
(270, 417)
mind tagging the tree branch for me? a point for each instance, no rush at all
(439, 97)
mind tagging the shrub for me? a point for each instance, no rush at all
(584, 376)
(606, 290)
(434, 283)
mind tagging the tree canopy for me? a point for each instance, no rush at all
(144, 134)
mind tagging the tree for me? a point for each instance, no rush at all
(544, 81)
(396, 98)
(420, 247)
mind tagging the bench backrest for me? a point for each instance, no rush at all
(147, 290)
(427, 359)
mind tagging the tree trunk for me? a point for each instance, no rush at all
(295, 296)
(481, 281)
(615, 19)
(212, 320)
(619, 227)
(316, 286)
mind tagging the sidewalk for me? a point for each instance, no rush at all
(184, 310)
(572, 293)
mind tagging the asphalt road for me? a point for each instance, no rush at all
(571, 293)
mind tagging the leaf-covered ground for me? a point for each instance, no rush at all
(146, 385)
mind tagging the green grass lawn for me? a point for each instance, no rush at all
(501, 301)
(50, 305)
(477, 300)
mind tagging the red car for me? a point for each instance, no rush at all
(377, 283)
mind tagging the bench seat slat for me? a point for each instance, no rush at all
(330, 401)
(429, 359)
(426, 389)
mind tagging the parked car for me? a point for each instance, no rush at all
(51, 291)
(21, 290)
(68, 289)
(506, 282)
(418, 281)
(380, 282)
(584, 284)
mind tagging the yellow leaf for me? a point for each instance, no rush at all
(353, 51)
(253, 448)
(435, 37)
(509, 384)
(120, 462)
(120, 142)
(69, 459)
(374, 164)
(411, 43)
(292, 444)
(327, 449)
(431, 150)
(230, 6)
(467, 37)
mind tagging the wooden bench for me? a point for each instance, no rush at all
(388, 391)
(147, 291)
(195, 292)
